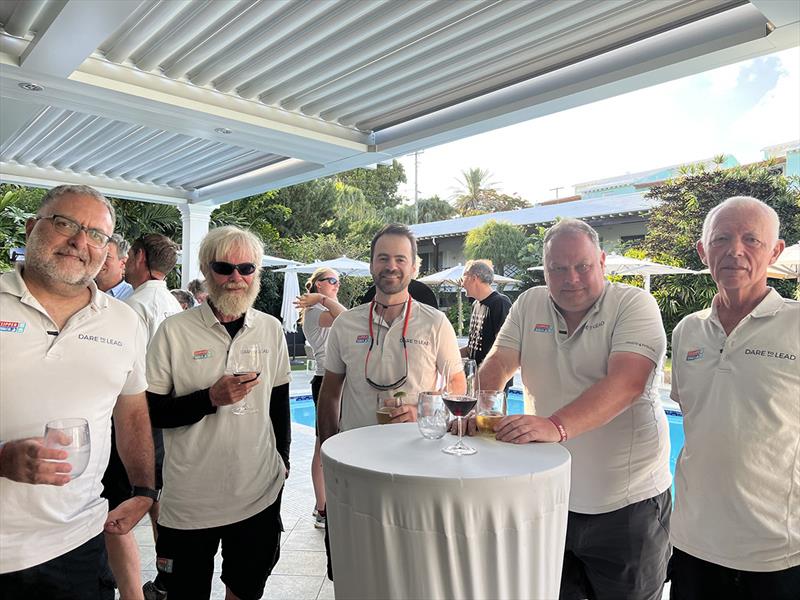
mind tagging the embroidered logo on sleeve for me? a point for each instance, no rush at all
(543, 328)
(202, 354)
(695, 354)
(12, 326)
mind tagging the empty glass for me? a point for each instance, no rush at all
(71, 435)
(431, 415)
(491, 408)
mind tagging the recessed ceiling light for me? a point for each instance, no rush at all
(31, 87)
(223, 130)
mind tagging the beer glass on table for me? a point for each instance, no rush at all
(491, 408)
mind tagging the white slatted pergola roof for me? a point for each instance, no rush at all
(205, 101)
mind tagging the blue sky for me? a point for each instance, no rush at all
(738, 110)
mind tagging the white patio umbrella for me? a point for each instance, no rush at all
(617, 264)
(291, 290)
(342, 265)
(788, 264)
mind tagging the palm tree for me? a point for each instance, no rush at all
(472, 184)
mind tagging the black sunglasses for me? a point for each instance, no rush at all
(226, 268)
(331, 280)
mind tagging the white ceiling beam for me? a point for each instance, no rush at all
(156, 102)
(48, 178)
(736, 35)
(72, 34)
(779, 12)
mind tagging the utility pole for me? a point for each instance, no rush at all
(416, 185)
(555, 189)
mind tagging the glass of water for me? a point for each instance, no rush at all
(71, 435)
(431, 415)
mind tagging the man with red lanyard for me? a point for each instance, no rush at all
(393, 345)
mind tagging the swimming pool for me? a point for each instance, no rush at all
(302, 409)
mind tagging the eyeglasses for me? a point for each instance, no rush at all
(226, 268)
(331, 280)
(69, 228)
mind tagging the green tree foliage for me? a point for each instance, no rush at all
(494, 201)
(135, 219)
(260, 214)
(676, 224)
(434, 209)
(497, 241)
(532, 255)
(379, 185)
(17, 205)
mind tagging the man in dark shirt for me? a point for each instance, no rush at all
(489, 311)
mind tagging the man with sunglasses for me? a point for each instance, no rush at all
(150, 259)
(68, 351)
(223, 471)
(393, 344)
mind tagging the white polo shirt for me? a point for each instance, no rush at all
(737, 481)
(626, 460)
(153, 303)
(225, 468)
(97, 356)
(316, 335)
(431, 343)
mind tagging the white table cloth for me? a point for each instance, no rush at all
(408, 521)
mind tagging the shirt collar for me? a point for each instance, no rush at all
(210, 319)
(13, 283)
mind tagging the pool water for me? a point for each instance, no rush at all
(302, 409)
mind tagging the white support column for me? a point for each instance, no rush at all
(195, 219)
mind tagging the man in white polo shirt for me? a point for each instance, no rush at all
(735, 374)
(393, 344)
(223, 469)
(68, 351)
(591, 353)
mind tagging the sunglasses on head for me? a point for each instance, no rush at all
(331, 280)
(226, 268)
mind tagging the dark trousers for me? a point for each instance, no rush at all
(80, 574)
(250, 549)
(696, 579)
(622, 554)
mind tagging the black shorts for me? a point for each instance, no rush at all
(619, 554)
(80, 574)
(250, 549)
(316, 384)
(696, 579)
(116, 486)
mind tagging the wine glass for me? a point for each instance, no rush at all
(71, 435)
(460, 397)
(247, 360)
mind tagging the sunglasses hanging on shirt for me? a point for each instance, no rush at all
(387, 386)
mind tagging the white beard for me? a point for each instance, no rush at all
(230, 303)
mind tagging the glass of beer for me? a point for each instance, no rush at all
(385, 403)
(491, 409)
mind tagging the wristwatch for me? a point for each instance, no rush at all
(154, 495)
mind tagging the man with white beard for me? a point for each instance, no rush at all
(223, 471)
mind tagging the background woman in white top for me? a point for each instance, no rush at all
(320, 307)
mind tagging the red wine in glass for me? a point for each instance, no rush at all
(459, 406)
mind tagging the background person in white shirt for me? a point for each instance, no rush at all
(111, 278)
(150, 259)
(73, 353)
(735, 374)
(590, 354)
(320, 307)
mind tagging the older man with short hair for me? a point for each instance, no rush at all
(224, 469)
(489, 310)
(735, 374)
(68, 351)
(111, 278)
(591, 353)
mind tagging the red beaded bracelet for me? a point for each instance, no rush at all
(562, 431)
